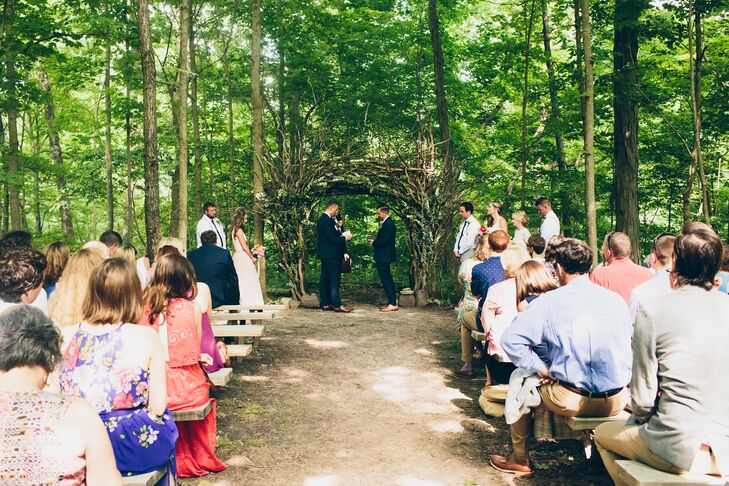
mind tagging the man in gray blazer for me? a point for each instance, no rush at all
(680, 384)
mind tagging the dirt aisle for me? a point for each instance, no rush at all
(366, 399)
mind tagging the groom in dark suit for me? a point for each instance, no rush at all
(214, 266)
(330, 248)
(384, 245)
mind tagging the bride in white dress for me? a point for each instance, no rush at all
(244, 261)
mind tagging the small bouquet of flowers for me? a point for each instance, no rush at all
(258, 252)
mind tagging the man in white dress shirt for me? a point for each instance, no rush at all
(468, 230)
(550, 225)
(660, 258)
(210, 222)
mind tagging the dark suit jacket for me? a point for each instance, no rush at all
(329, 243)
(214, 266)
(385, 243)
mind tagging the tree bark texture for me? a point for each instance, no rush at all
(107, 136)
(12, 110)
(197, 147)
(231, 137)
(257, 133)
(529, 21)
(696, 55)
(440, 93)
(129, 209)
(183, 70)
(589, 145)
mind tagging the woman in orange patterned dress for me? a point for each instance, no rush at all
(170, 308)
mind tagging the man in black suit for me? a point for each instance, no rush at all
(330, 249)
(214, 266)
(384, 246)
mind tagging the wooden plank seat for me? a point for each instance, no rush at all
(241, 316)
(589, 423)
(257, 308)
(248, 331)
(221, 377)
(635, 473)
(148, 479)
(192, 414)
(239, 350)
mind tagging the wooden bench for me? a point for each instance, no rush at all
(239, 350)
(635, 473)
(148, 479)
(257, 308)
(249, 331)
(221, 377)
(224, 317)
(192, 414)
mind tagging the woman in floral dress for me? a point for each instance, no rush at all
(119, 367)
(468, 302)
(170, 309)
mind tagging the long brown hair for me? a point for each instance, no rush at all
(57, 256)
(532, 278)
(174, 278)
(236, 222)
(115, 294)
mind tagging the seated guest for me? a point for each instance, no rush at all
(119, 367)
(468, 302)
(45, 435)
(127, 252)
(57, 256)
(722, 277)
(660, 260)
(216, 350)
(680, 420)
(498, 312)
(586, 330)
(66, 306)
(172, 241)
(532, 280)
(15, 239)
(112, 240)
(21, 276)
(619, 273)
(483, 276)
(170, 308)
(162, 251)
(214, 266)
(98, 246)
(536, 246)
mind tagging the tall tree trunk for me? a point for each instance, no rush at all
(129, 209)
(57, 156)
(107, 133)
(556, 119)
(281, 126)
(579, 58)
(589, 147)
(149, 90)
(625, 121)
(529, 21)
(257, 132)
(3, 199)
(206, 137)
(12, 110)
(695, 66)
(440, 94)
(231, 138)
(195, 124)
(183, 70)
(35, 131)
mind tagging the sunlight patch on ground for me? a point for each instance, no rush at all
(253, 378)
(410, 481)
(451, 426)
(315, 343)
(324, 480)
(294, 375)
(424, 352)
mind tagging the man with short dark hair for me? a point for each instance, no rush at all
(550, 226)
(210, 222)
(585, 330)
(619, 273)
(330, 248)
(214, 266)
(680, 420)
(384, 245)
(660, 284)
(112, 240)
(536, 246)
(21, 276)
(467, 232)
(483, 276)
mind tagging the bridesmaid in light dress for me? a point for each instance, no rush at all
(244, 261)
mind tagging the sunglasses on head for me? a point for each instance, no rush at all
(655, 240)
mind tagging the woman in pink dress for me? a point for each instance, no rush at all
(170, 308)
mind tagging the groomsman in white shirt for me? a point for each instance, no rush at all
(550, 225)
(467, 232)
(210, 222)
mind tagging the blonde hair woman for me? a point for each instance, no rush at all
(65, 307)
(496, 221)
(57, 256)
(127, 252)
(521, 234)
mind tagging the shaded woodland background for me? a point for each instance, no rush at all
(128, 115)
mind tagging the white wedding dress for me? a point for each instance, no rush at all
(248, 284)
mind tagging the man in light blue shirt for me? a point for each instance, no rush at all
(585, 331)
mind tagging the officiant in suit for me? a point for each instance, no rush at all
(384, 246)
(330, 248)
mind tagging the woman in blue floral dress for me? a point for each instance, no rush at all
(120, 368)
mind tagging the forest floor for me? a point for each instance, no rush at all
(368, 398)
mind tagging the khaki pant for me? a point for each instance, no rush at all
(561, 401)
(468, 324)
(621, 441)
